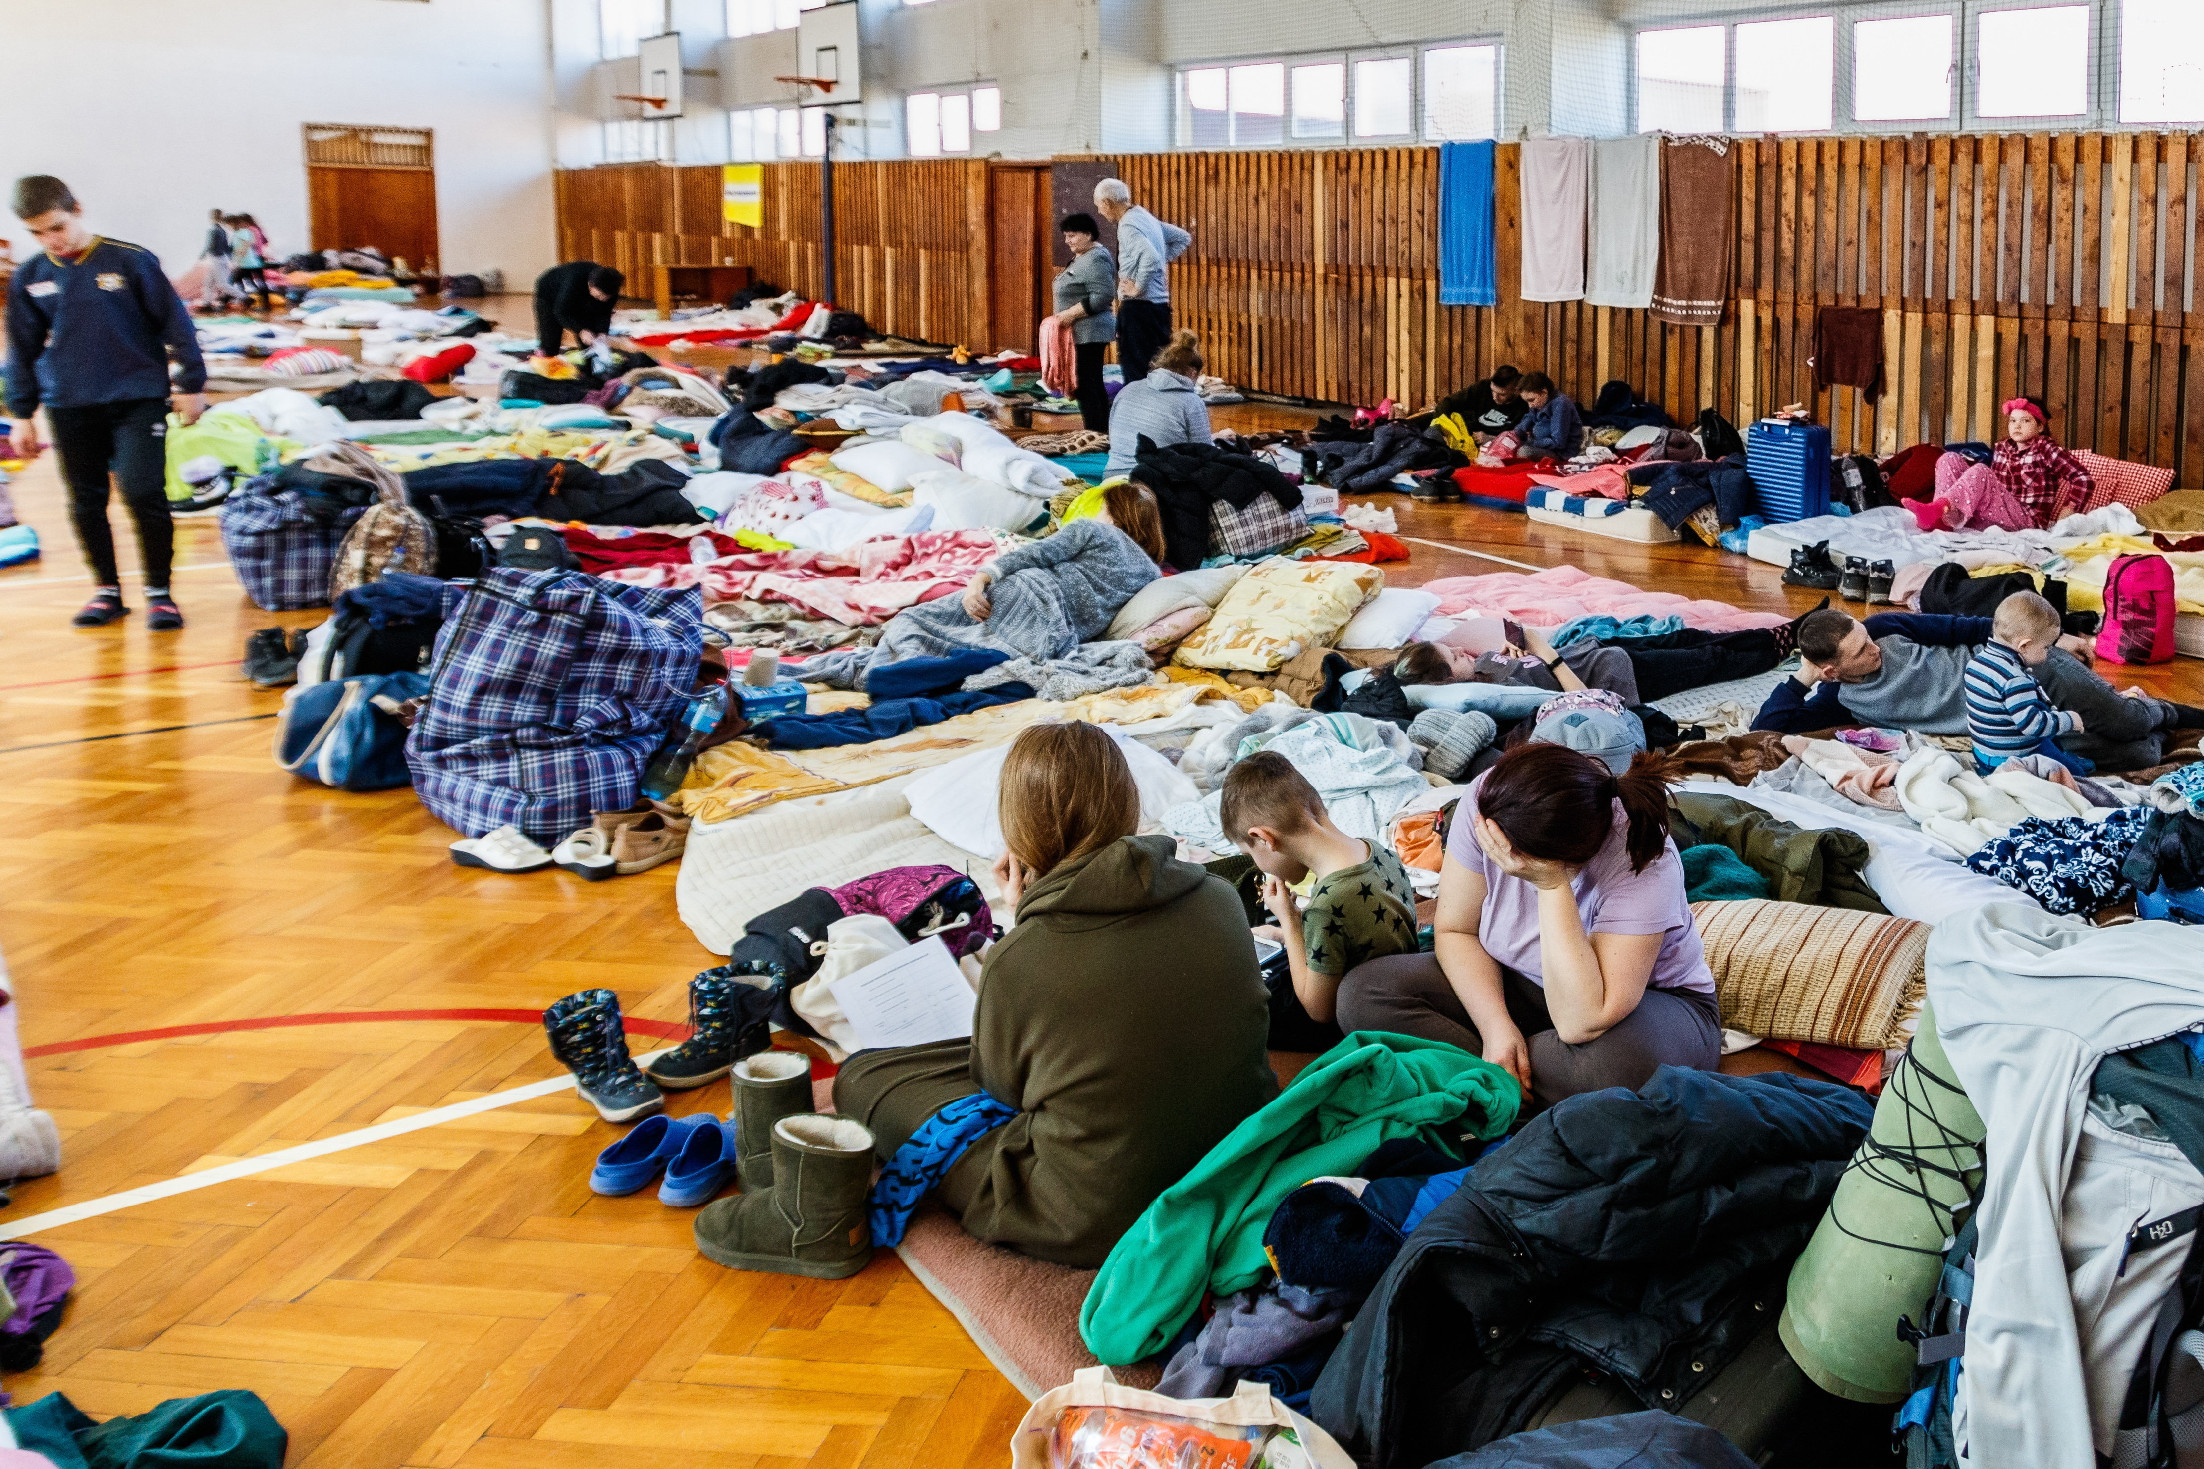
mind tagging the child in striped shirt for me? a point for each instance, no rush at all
(2008, 713)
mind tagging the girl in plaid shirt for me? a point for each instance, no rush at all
(2036, 469)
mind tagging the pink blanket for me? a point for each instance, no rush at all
(1565, 593)
(864, 584)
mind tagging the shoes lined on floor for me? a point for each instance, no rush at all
(623, 843)
(1811, 567)
(588, 1039)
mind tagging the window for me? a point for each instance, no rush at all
(1385, 97)
(1320, 100)
(1902, 69)
(922, 124)
(762, 17)
(790, 130)
(1680, 80)
(1461, 93)
(956, 123)
(1786, 75)
(622, 25)
(2032, 63)
(1202, 118)
(634, 141)
(2161, 61)
(742, 138)
(814, 132)
(1258, 97)
(938, 123)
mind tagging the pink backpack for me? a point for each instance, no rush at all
(2138, 625)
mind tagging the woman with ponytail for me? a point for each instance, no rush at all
(1566, 948)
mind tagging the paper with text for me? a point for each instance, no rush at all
(913, 996)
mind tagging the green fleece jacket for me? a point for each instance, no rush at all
(1205, 1233)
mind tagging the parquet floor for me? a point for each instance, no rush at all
(453, 1297)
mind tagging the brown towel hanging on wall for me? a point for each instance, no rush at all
(1698, 231)
(1848, 348)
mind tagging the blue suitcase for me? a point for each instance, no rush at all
(1789, 467)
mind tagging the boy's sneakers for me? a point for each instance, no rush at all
(1811, 567)
(1852, 581)
(269, 661)
(104, 608)
(161, 612)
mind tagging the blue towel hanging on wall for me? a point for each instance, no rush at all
(1468, 271)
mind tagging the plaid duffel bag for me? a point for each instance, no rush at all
(549, 693)
(281, 551)
(1262, 527)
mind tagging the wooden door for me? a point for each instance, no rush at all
(1018, 244)
(391, 209)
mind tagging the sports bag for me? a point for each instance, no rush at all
(280, 548)
(347, 733)
(2138, 625)
(390, 534)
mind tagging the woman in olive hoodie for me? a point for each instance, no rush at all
(1124, 1017)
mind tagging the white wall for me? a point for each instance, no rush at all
(155, 111)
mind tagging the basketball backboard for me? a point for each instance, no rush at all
(827, 51)
(661, 78)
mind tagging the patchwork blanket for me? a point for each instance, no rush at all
(864, 584)
(1565, 593)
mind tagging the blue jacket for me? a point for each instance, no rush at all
(98, 330)
(1554, 431)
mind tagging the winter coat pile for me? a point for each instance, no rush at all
(1187, 478)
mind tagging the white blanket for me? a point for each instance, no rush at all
(1962, 811)
(1363, 789)
(1892, 534)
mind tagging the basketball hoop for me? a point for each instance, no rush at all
(654, 103)
(824, 84)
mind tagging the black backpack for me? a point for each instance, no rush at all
(1718, 436)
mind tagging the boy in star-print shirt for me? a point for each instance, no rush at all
(1360, 906)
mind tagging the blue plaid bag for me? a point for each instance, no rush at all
(281, 554)
(551, 691)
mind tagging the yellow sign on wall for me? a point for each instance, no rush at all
(742, 193)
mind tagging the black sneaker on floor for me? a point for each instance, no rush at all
(101, 610)
(162, 614)
(1880, 575)
(1811, 567)
(269, 661)
(1852, 584)
(1437, 489)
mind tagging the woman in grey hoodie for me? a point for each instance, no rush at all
(1165, 407)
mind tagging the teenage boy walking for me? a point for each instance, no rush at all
(92, 324)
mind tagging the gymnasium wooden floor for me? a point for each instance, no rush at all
(453, 1296)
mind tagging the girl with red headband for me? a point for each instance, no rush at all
(2036, 469)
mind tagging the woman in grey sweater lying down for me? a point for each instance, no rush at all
(1039, 601)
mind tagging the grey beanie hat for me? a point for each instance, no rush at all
(1451, 740)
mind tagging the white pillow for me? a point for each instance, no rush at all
(837, 530)
(971, 432)
(1390, 620)
(964, 502)
(1168, 594)
(1015, 468)
(959, 802)
(889, 464)
(717, 492)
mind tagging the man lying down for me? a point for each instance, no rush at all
(1907, 670)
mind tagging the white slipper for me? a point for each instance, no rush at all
(503, 850)
(587, 854)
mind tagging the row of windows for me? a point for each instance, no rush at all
(1449, 93)
(2029, 62)
(936, 124)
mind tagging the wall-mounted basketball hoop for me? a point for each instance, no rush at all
(656, 104)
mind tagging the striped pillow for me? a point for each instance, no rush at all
(306, 361)
(1797, 972)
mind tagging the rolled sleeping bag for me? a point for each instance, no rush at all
(1877, 1253)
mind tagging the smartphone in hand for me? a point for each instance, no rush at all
(1513, 630)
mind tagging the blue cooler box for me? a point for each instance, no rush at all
(1789, 467)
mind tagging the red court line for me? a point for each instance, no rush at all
(126, 673)
(657, 1029)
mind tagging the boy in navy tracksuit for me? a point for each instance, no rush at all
(91, 326)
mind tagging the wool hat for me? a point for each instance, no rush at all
(1610, 738)
(1451, 740)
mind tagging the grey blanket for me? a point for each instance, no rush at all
(1089, 668)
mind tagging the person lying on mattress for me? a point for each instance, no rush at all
(1039, 601)
(1908, 670)
(1566, 950)
(1122, 1023)
(1641, 670)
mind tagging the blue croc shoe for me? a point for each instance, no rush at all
(633, 1161)
(707, 1161)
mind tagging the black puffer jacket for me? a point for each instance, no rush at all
(1645, 1234)
(1393, 449)
(1188, 478)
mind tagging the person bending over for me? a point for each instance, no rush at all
(1490, 407)
(1908, 670)
(1360, 904)
(92, 327)
(1122, 1019)
(1085, 296)
(579, 297)
(1566, 949)
(2009, 714)
(1552, 428)
(1164, 407)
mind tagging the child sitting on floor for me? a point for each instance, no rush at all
(2008, 713)
(1360, 904)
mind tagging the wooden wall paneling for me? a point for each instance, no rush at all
(2089, 311)
(2058, 246)
(1935, 293)
(2121, 377)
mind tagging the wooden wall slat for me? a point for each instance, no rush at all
(2055, 265)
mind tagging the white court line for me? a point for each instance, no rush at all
(1465, 551)
(85, 579)
(304, 1152)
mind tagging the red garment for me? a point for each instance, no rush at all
(1377, 546)
(1910, 474)
(1863, 1069)
(600, 554)
(439, 366)
(1058, 354)
(2046, 479)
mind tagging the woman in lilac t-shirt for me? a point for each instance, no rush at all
(1566, 949)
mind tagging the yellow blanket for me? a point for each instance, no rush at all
(2091, 560)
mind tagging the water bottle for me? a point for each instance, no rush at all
(670, 766)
